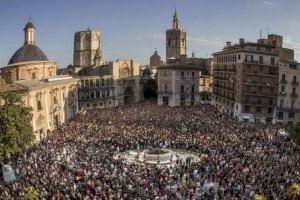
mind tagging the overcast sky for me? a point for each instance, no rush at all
(132, 29)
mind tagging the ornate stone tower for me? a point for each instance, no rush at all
(87, 48)
(175, 41)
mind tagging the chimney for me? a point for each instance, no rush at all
(228, 44)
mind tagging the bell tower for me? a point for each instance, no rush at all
(175, 41)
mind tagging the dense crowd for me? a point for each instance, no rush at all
(238, 159)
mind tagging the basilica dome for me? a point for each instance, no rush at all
(28, 52)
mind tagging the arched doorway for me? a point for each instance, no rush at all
(150, 89)
(128, 96)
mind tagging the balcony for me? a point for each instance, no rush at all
(283, 81)
(282, 93)
(295, 83)
(294, 95)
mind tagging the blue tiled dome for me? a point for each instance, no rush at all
(29, 52)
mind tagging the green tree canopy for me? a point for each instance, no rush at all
(16, 132)
(295, 133)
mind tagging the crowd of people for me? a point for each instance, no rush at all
(238, 159)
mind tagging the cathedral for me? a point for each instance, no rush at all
(102, 85)
(53, 99)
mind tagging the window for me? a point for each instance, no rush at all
(282, 88)
(283, 77)
(270, 101)
(55, 100)
(261, 60)
(33, 76)
(182, 97)
(239, 57)
(294, 91)
(169, 42)
(272, 61)
(247, 109)
(281, 103)
(193, 74)
(98, 94)
(280, 115)
(182, 88)
(192, 97)
(182, 74)
(92, 95)
(291, 115)
(50, 73)
(252, 58)
(292, 104)
(39, 104)
(258, 109)
(270, 110)
(193, 88)
(91, 83)
(87, 104)
(294, 78)
(97, 83)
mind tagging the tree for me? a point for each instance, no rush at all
(16, 132)
(295, 133)
(150, 89)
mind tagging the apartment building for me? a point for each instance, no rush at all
(245, 79)
(288, 106)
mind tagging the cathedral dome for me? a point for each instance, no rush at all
(28, 52)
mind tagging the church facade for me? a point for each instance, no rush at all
(53, 99)
(102, 85)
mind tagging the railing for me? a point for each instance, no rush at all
(294, 83)
(282, 93)
(283, 81)
(294, 95)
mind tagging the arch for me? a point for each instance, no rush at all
(128, 96)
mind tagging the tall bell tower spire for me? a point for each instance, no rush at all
(29, 31)
(175, 20)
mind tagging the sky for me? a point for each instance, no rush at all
(132, 29)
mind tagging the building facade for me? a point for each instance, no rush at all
(178, 85)
(245, 80)
(110, 85)
(53, 99)
(288, 105)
